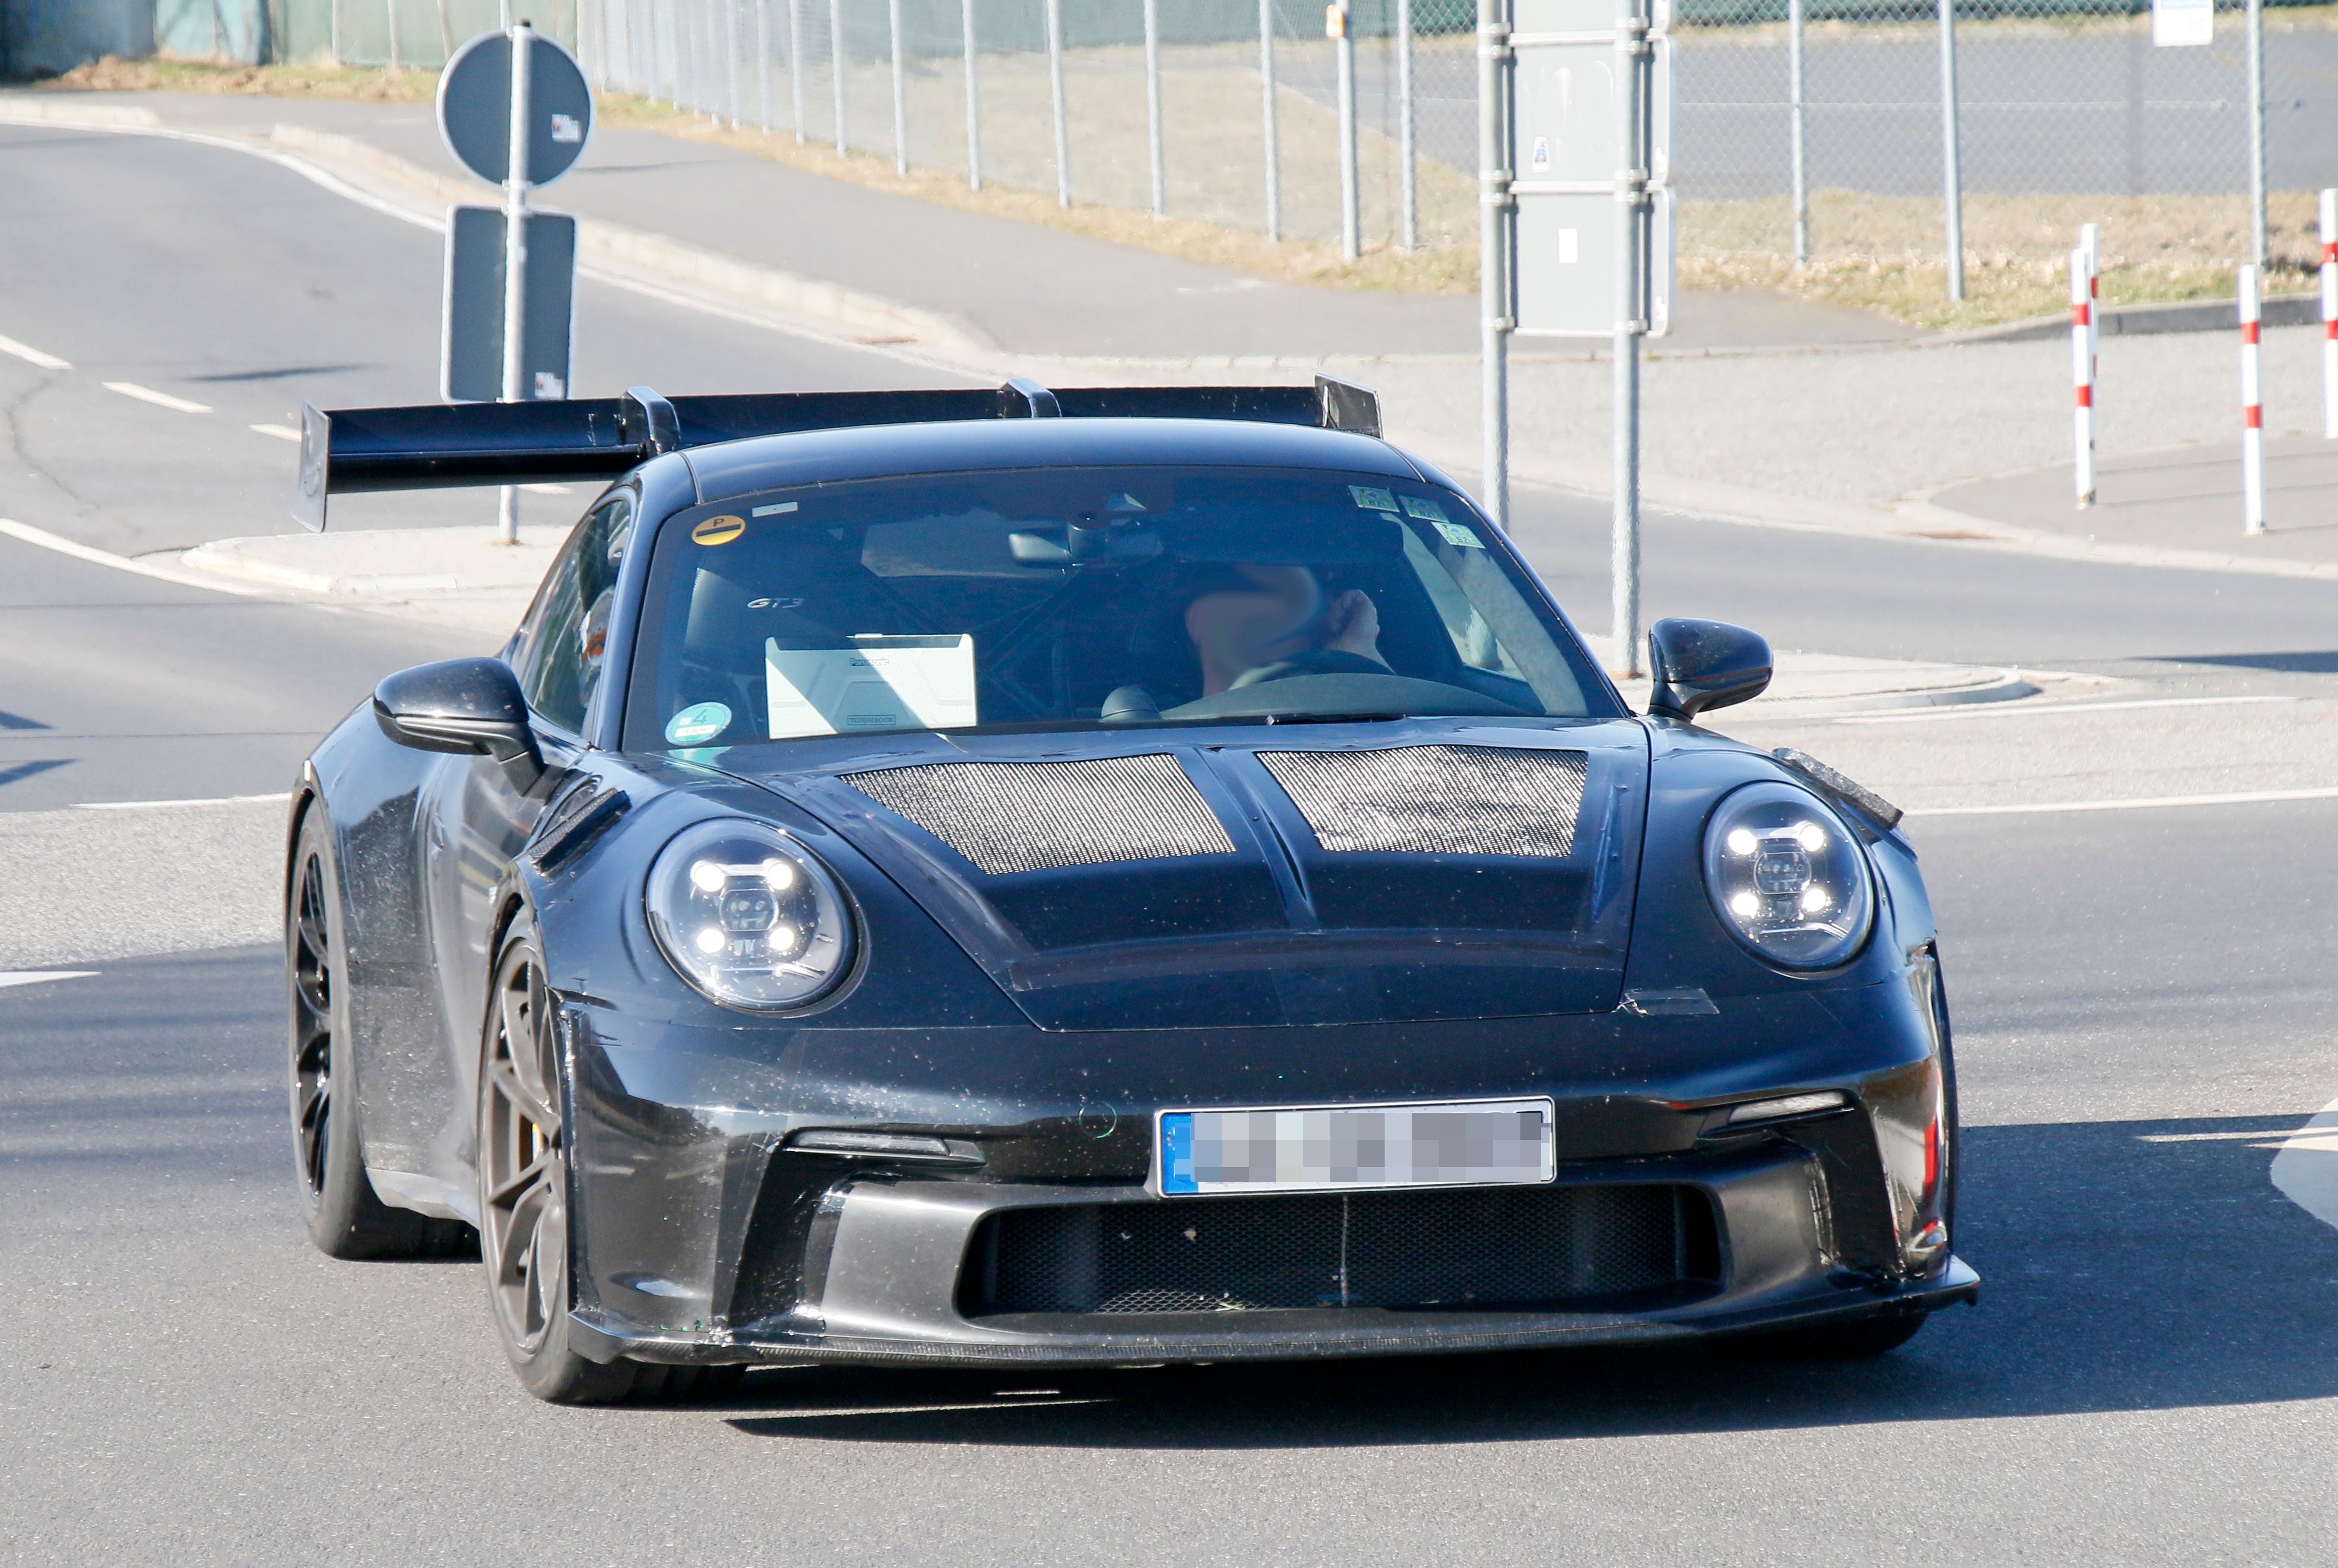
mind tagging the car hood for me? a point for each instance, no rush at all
(1257, 876)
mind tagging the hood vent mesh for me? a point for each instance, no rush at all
(1437, 799)
(1008, 817)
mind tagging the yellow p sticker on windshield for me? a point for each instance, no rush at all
(718, 530)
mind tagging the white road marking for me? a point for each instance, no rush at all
(31, 355)
(160, 399)
(2021, 709)
(281, 795)
(281, 432)
(27, 533)
(2243, 798)
(2306, 1169)
(36, 976)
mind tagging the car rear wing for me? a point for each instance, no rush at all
(347, 451)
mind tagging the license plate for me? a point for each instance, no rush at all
(1473, 1143)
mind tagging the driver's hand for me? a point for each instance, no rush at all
(1352, 625)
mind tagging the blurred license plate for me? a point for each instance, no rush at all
(1471, 1144)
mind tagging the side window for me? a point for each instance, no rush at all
(564, 649)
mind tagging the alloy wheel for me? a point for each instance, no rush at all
(522, 1199)
(312, 1027)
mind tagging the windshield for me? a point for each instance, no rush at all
(1069, 598)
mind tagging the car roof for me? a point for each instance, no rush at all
(732, 468)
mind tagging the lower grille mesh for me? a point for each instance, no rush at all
(1437, 799)
(1008, 817)
(1477, 1247)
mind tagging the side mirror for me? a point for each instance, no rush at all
(462, 705)
(1701, 664)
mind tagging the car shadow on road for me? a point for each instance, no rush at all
(2126, 1266)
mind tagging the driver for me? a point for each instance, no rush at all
(1273, 622)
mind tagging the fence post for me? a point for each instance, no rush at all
(2329, 315)
(1153, 106)
(2082, 375)
(901, 93)
(1273, 136)
(836, 64)
(1406, 139)
(1952, 189)
(737, 47)
(1493, 202)
(2260, 252)
(1795, 132)
(1055, 89)
(2253, 516)
(763, 63)
(1343, 47)
(973, 101)
(795, 69)
(1631, 195)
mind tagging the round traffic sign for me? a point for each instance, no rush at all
(474, 108)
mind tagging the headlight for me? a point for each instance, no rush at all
(1787, 878)
(748, 916)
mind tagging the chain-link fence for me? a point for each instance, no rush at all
(2066, 112)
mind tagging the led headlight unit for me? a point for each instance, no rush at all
(748, 916)
(1787, 878)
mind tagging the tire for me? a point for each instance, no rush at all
(346, 1217)
(1854, 1341)
(524, 1243)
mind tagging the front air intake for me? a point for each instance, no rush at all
(1009, 816)
(1437, 799)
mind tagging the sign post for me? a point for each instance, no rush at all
(514, 110)
(1577, 148)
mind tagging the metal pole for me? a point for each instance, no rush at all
(516, 261)
(2082, 377)
(1273, 132)
(1952, 189)
(1056, 86)
(1153, 106)
(1494, 205)
(2259, 251)
(836, 64)
(901, 93)
(1407, 141)
(2329, 216)
(730, 20)
(2252, 506)
(1795, 132)
(1335, 22)
(1631, 194)
(973, 101)
(763, 63)
(398, 64)
(795, 69)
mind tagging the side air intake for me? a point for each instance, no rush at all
(1437, 799)
(1009, 816)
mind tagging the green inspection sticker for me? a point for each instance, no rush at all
(1373, 498)
(699, 721)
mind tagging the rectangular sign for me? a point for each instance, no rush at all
(2180, 24)
(1468, 1144)
(471, 340)
(1568, 155)
(878, 682)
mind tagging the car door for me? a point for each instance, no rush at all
(475, 821)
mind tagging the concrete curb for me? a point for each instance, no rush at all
(638, 255)
(113, 116)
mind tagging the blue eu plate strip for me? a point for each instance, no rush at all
(1177, 1154)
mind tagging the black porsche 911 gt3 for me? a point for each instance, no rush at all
(1084, 879)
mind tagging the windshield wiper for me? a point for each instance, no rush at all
(1330, 718)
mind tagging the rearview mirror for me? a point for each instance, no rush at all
(462, 705)
(1701, 664)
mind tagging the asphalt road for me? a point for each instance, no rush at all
(2141, 996)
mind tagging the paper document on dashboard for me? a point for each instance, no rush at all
(877, 682)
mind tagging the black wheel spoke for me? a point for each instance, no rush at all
(522, 1175)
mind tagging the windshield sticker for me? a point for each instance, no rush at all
(714, 531)
(878, 682)
(773, 510)
(1428, 511)
(699, 721)
(1456, 534)
(1373, 498)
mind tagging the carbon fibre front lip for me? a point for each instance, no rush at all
(1276, 1337)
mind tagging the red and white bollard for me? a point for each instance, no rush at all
(2329, 315)
(2082, 372)
(2253, 518)
(2090, 241)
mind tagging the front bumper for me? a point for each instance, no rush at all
(883, 1281)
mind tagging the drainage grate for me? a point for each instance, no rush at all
(1474, 1248)
(1008, 817)
(1437, 799)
